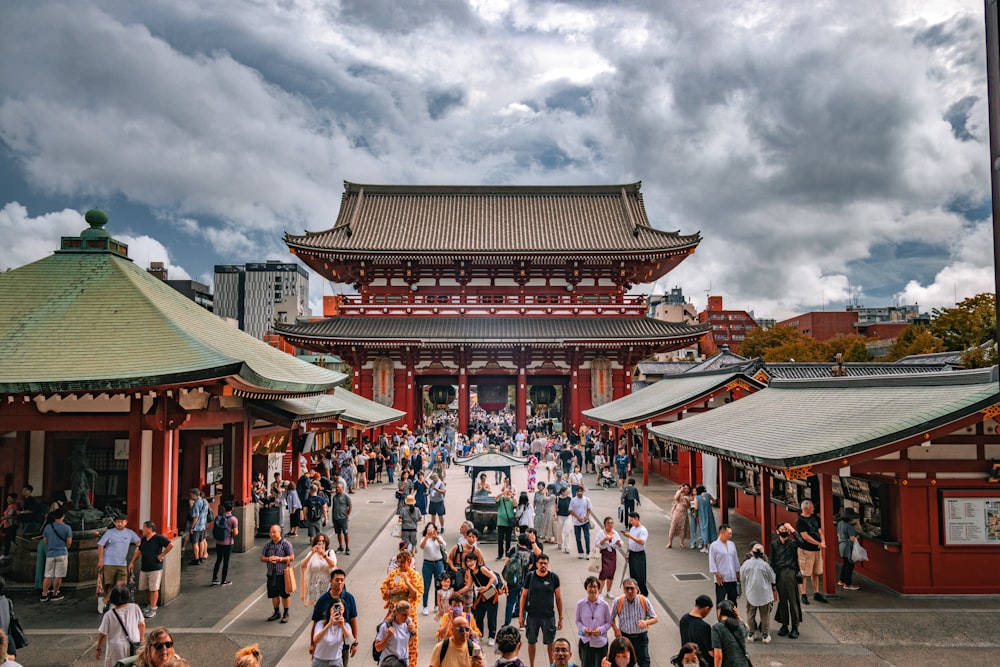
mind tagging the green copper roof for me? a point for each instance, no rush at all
(803, 422)
(668, 394)
(341, 405)
(90, 320)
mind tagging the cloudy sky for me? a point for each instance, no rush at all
(826, 151)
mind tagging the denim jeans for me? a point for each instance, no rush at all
(431, 568)
(512, 605)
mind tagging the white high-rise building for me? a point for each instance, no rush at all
(259, 294)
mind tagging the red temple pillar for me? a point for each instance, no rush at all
(463, 400)
(574, 394)
(723, 491)
(645, 455)
(135, 461)
(410, 379)
(521, 400)
(829, 526)
(160, 481)
(239, 443)
(766, 511)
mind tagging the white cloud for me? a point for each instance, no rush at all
(28, 239)
(144, 250)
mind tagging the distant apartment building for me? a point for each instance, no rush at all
(884, 323)
(729, 327)
(257, 295)
(192, 289)
(675, 308)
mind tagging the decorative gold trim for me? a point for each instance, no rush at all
(738, 384)
(991, 412)
(761, 376)
(799, 473)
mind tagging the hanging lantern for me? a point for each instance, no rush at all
(492, 398)
(542, 395)
(441, 395)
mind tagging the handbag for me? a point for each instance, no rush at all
(595, 560)
(15, 632)
(290, 584)
(133, 647)
(858, 553)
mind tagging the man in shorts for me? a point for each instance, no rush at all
(58, 538)
(341, 507)
(278, 554)
(198, 514)
(112, 555)
(810, 550)
(541, 600)
(153, 548)
(435, 496)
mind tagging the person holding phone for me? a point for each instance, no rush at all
(329, 636)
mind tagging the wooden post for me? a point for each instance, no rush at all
(766, 512)
(645, 455)
(723, 490)
(521, 399)
(829, 528)
(463, 399)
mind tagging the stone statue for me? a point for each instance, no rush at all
(83, 478)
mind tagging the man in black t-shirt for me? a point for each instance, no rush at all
(153, 548)
(694, 628)
(810, 550)
(541, 599)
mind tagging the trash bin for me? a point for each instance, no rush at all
(268, 517)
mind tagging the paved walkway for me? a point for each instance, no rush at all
(869, 627)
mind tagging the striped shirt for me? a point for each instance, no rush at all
(631, 613)
(281, 548)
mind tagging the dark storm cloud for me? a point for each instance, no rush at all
(568, 97)
(440, 102)
(402, 17)
(957, 116)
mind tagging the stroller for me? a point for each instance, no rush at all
(607, 480)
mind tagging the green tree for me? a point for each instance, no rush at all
(803, 349)
(852, 346)
(915, 339)
(970, 323)
(759, 341)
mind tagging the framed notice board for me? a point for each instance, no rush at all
(970, 518)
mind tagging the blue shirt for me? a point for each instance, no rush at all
(325, 601)
(199, 514)
(55, 535)
(115, 543)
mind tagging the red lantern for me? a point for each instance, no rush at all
(441, 395)
(542, 394)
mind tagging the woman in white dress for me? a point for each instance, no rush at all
(122, 623)
(316, 568)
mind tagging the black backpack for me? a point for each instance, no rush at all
(315, 512)
(220, 528)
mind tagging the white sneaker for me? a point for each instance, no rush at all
(751, 637)
(492, 641)
(766, 639)
(426, 611)
(609, 596)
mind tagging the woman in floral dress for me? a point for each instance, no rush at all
(680, 524)
(404, 583)
(316, 568)
(545, 514)
(532, 471)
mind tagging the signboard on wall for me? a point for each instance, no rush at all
(971, 520)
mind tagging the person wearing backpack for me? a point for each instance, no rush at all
(317, 510)
(224, 529)
(631, 616)
(392, 638)
(459, 649)
(514, 571)
(153, 549)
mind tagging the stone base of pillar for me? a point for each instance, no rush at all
(248, 526)
(170, 584)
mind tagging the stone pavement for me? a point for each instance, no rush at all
(868, 627)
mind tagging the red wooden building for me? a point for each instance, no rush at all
(101, 361)
(915, 455)
(486, 288)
